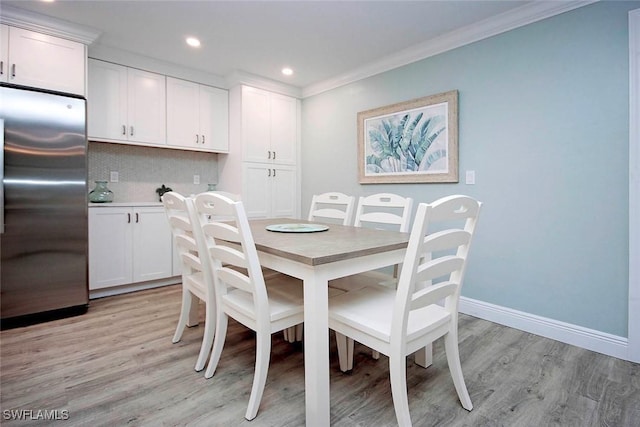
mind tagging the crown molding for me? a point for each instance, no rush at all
(239, 77)
(47, 25)
(521, 16)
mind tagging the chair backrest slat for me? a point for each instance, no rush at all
(439, 267)
(432, 295)
(228, 255)
(445, 239)
(384, 208)
(236, 279)
(332, 206)
(190, 260)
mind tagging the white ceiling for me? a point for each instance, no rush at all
(320, 40)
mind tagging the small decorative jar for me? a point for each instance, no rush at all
(211, 187)
(101, 194)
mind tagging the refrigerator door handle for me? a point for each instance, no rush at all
(1, 176)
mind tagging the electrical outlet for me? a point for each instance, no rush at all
(196, 179)
(470, 177)
(114, 176)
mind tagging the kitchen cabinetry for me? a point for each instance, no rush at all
(197, 116)
(38, 60)
(128, 245)
(4, 53)
(269, 127)
(126, 104)
(261, 164)
(269, 191)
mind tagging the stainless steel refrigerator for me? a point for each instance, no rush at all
(43, 206)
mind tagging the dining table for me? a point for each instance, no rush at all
(316, 255)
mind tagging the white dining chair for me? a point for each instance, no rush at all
(399, 322)
(382, 211)
(197, 279)
(332, 207)
(241, 290)
(292, 334)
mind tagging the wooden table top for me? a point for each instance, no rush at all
(336, 244)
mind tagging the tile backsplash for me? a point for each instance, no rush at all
(141, 170)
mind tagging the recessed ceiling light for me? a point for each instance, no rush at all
(192, 41)
(287, 71)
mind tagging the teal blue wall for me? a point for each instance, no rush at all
(543, 120)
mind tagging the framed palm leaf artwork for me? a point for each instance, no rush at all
(412, 141)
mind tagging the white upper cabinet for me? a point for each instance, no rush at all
(126, 104)
(4, 53)
(269, 126)
(197, 116)
(38, 60)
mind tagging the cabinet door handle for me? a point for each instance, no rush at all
(131, 130)
(203, 139)
(137, 218)
(269, 155)
(124, 129)
(1, 68)
(13, 70)
(128, 218)
(274, 172)
(274, 155)
(197, 138)
(268, 172)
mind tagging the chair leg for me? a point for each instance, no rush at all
(263, 352)
(398, 375)
(290, 334)
(187, 300)
(453, 359)
(218, 344)
(424, 356)
(345, 352)
(299, 331)
(207, 339)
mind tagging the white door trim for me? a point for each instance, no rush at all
(634, 185)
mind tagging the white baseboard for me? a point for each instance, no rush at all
(579, 336)
(133, 287)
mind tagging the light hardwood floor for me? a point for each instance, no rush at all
(116, 366)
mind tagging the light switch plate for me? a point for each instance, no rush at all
(470, 177)
(196, 179)
(114, 176)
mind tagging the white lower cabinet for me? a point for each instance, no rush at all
(269, 190)
(128, 245)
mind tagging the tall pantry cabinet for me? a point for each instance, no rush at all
(262, 164)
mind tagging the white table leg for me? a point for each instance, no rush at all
(316, 351)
